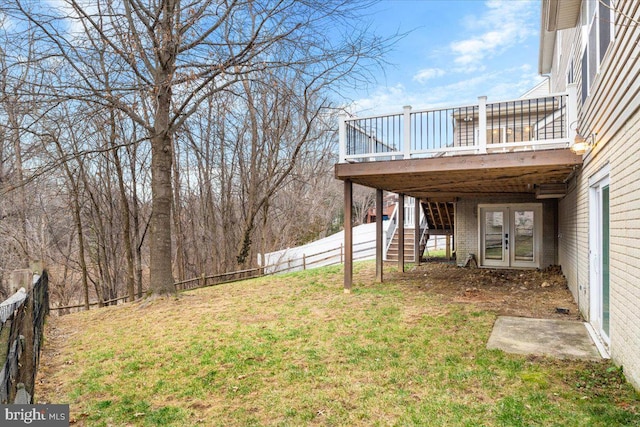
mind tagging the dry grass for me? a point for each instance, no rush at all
(295, 350)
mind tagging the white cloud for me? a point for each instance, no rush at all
(504, 84)
(7, 23)
(486, 60)
(427, 74)
(385, 99)
(470, 69)
(65, 10)
(503, 25)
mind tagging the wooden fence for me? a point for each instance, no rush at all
(332, 256)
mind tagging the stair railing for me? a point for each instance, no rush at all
(390, 231)
(424, 231)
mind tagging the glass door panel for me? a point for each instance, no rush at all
(511, 235)
(599, 269)
(495, 231)
(523, 235)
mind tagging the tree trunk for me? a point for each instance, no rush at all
(124, 204)
(136, 220)
(177, 221)
(81, 258)
(160, 244)
(162, 157)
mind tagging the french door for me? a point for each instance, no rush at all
(599, 315)
(510, 235)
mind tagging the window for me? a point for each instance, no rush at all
(596, 18)
(520, 132)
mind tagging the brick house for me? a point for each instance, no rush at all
(550, 178)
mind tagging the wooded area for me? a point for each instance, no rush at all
(143, 142)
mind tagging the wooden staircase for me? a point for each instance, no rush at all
(440, 216)
(392, 252)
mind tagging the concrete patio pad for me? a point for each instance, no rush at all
(564, 339)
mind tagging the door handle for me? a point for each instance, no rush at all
(506, 241)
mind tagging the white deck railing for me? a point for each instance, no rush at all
(546, 122)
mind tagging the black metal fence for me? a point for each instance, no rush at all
(21, 332)
(506, 124)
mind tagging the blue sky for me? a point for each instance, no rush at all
(455, 51)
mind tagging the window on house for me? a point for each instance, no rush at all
(596, 18)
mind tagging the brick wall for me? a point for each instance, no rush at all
(624, 158)
(621, 154)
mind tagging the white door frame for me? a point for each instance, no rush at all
(508, 244)
(596, 296)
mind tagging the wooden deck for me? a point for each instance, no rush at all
(442, 178)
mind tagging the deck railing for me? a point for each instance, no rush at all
(546, 122)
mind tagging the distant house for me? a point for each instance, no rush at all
(552, 177)
(389, 205)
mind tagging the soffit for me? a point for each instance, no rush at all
(555, 15)
(561, 14)
(464, 176)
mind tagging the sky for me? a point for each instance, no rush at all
(453, 52)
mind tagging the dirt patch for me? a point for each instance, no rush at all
(526, 293)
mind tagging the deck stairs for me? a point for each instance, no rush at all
(409, 238)
(436, 220)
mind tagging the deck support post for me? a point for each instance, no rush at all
(417, 255)
(348, 236)
(401, 233)
(379, 217)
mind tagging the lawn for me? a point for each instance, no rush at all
(295, 350)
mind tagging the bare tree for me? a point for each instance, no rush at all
(363, 200)
(174, 55)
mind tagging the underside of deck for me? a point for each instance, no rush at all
(437, 182)
(442, 178)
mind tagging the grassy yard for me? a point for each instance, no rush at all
(294, 350)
